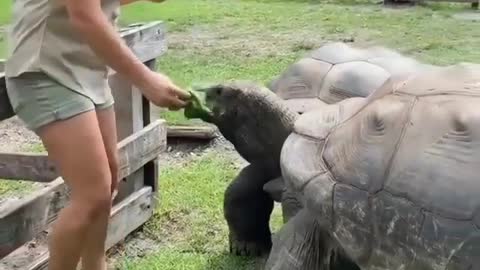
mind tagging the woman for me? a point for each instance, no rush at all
(57, 84)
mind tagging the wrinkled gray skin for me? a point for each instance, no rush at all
(6, 110)
(257, 123)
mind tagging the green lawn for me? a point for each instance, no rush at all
(189, 223)
(14, 188)
(217, 40)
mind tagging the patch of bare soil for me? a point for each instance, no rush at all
(15, 137)
(473, 16)
(245, 42)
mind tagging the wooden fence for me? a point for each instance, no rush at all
(141, 141)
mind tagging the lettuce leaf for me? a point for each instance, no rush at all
(196, 107)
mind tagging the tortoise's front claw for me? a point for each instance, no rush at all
(250, 248)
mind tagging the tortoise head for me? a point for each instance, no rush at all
(223, 101)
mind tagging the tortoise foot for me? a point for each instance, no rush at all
(247, 210)
(250, 248)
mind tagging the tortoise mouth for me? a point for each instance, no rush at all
(198, 107)
(212, 100)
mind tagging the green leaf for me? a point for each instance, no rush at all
(196, 108)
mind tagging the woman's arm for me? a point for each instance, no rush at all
(126, 2)
(89, 20)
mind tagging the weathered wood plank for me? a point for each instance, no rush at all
(194, 132)
(145, 145)
(129, 214)
(133, 150)
(21, 221)
(146, 40)
(27, 166)
(129, 110)
(150, 170)
(126, 216)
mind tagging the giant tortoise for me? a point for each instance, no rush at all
(393, 179)
(387, 182)
(336, 71)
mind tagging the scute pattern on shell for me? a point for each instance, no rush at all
(397, 181)
(337, 71)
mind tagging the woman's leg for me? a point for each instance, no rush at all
(108, 128)
(93, 256)
(77, 148)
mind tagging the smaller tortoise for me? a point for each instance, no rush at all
(337, 71)
(257, 123)
(392, 178)
(252, 119)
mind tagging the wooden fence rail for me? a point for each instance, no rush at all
(141, 141)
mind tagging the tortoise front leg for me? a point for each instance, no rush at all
(288, 198)
(247, 209)
(290, 205)
(302, 244)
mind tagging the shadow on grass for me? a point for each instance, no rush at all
(231, 262)
(168, 259)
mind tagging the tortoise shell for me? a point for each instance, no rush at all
(395, 176)
(337, 71)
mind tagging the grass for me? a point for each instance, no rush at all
(173, 260)
(187, 70)
(212, 41)
(10, 188)
(189, 222)
(5, 7)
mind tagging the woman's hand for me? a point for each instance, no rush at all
(161, 91)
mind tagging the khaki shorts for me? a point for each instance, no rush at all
(39, 100)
